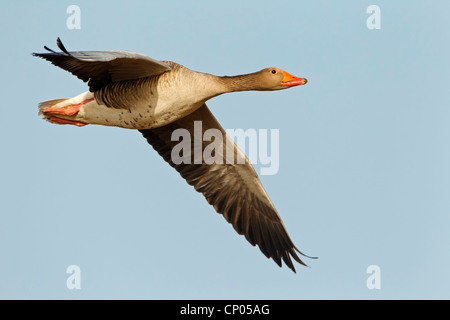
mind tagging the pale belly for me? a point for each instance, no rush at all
(155, 112)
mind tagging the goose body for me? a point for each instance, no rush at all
(153, 101)
(130, 90)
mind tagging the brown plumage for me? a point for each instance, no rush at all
(131, 90)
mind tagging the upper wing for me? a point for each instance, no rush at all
(100, 68)
(234, 190)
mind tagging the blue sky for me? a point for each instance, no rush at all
(364, 175)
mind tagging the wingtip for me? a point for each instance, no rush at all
(61, 46)
(296, 258)
(48, 49)
(39, 55)
(305, 255)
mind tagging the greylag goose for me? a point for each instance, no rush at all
(131, 90)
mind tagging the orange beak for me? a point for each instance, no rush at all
(291, 81)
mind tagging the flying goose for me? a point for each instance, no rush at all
(131, 90)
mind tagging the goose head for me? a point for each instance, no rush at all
(277, 79)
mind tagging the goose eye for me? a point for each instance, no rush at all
(274, 71)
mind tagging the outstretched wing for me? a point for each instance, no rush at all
(100, 68)
(234, 190)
